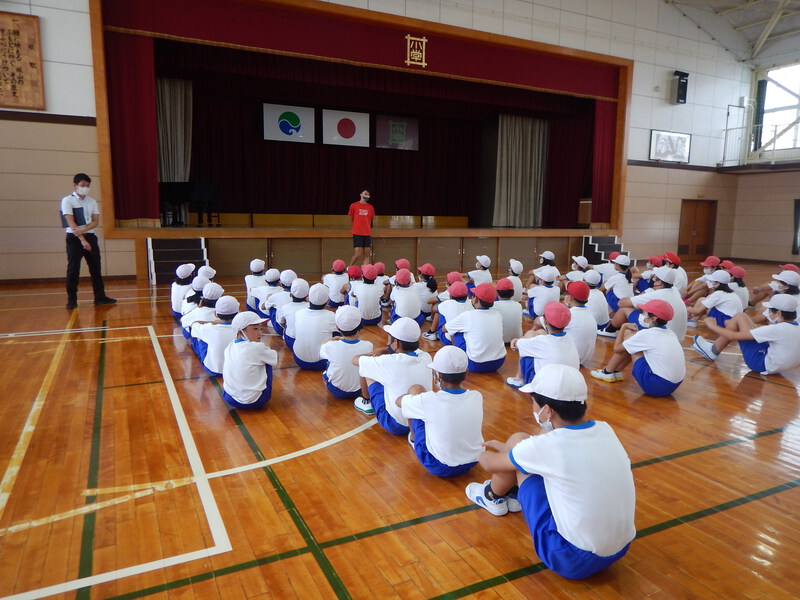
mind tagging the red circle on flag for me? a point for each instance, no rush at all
(346, 128)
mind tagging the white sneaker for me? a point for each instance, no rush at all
(703, 346)
(608, 334)
(691, 323)
(498, 507)
(513, 504)
(515, 382)
(363, 405)
(429, 318)
(430, 336)
(602, 375)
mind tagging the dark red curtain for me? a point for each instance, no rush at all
(130, 77)
(605, 126)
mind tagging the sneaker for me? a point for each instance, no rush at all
(72, 304)
(411, 438)
(604, 375)
(363, 405)
(691, 323)
(516, 382)
(105, 300)
(608, 334)
(703, 347)
(429, 318)
(386, 304)
(475, 492)
(430, 336)
(513, 504)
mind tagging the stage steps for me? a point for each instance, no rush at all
(165, 255)
(596, 248)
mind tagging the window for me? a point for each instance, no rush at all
(777, 115)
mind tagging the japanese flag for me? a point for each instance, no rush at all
(345, 128)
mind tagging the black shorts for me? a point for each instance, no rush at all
(362, 241)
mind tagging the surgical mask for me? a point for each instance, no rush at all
(547, 426)
(574, 267)
(421, 278)
(775, 286)
(707, 270)
(643, 323)
(83, 190)
(389, 348)
(649, 265)
(544, 324)
(772, 319)
(712, 284)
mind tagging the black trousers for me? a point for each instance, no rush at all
(75, 252)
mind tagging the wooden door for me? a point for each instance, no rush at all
(696, 235)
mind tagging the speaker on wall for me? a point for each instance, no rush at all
(680, 85)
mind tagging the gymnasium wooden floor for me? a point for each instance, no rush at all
(126, 476)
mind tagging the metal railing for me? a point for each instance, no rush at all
(761, 144)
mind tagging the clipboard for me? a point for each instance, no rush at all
(77, 214)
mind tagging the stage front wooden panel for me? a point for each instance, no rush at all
(443, 253)
(387, 250)
(475, 247)
(333, 248)
(231, 258)
(300, 254)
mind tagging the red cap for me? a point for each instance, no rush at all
(380, 268)
(458, 289)
(402, 263)
(673, 258)
(578, 290)
(656, 261)
(737, 272)
(427, 269)
(338, 266)
(790, 267)
(726, 264)
(613, 255)
(710, 261)
(557, 314)
(485, 292)
(354, 272)
(403, 277)
(454, 276)
(659, 308)
(369, 272)
(505, 284)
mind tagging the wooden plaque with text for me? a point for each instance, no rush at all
(21, 80)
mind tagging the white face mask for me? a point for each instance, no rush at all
(643, 323)
(574, 267)
(708, 270)
(772, 319)
(712, 284)
(421, 278)
(82, 190)
(546, 426)
(775, 286)
(649, 265)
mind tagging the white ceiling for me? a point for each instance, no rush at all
(759, 32)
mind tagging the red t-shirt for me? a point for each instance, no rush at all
(362, 215)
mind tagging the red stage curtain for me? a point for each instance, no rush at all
(605, 125)
(130, 77)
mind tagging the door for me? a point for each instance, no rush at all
(698, 222)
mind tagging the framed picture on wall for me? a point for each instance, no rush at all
(669, 146)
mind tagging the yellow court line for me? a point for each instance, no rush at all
(12, 470)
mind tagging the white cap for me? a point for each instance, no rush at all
(318, 294)
(665, 274)
(257, 265)
(718, 276)
(299, 288)
(547, 273)
(347, 317)
(245, 319)
(206, 272)
(516, 266)
(404, 329)
(199, 282)
(212, 291)
(581, 261)
(272, 275)
(548, 255)
(646, 275)
(484, 260)
(184, 271)
(574, 276)
(450, 359)
(287, 277)
(227, 305)
(788, 277)
(623, 260)
(591, 277)
(782, 302)
(558, 382)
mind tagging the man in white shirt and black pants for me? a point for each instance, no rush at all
(80, 214)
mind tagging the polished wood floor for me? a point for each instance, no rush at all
(124, 475)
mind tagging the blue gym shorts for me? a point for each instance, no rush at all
(754, 354)
(429, 461)
(262, 400)
(652, 384)
(385, 420)
(337, 392)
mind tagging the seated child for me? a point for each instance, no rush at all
(445, 425)
(341, 375)
(479, 332)
(509, 310)
(335, 281)
(456, 303)
(193, 295)
(209, 339)
(272, 285)
(542, 291)
(721, 303)
(404, 298)
(207, 272)
(368, 296)
(276, 301)
(206, 308)
(426, 288)
(286, 313)
(547, 260)
(180, 287)
(247, 368)
(481, 274)
(582, 327)
(354, 275)
(597, 304)
(253, 280)
(312, 327)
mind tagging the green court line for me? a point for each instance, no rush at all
(87, 538)
(124, 385)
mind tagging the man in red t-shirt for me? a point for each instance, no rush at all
(362, 214)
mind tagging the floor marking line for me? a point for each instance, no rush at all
(12, 470)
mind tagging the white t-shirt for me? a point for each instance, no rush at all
(406, 301)
(200, 313)
(480, 276)
(589, 484)
(217, 336)
(276, 300)
(74, 201)
(250, 283)
(554, 348)
(784, 346)
(397, 373)
(311, 328)
(606, 270)
(512, 318)
(542, 294)
(286, 315)
(244, 375)
(742, 293)
(424, 295)
(662, 351)
(263, 292)
(620, 285)
(519, 291)
(450, 309)
(335, 282)
(681, 279)
(177, 294)
(483, 333)
(671, 296)
(727, 303)
(341, 371)
(582, 328)
(453, 421)
(368, 296)
(598, 305)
